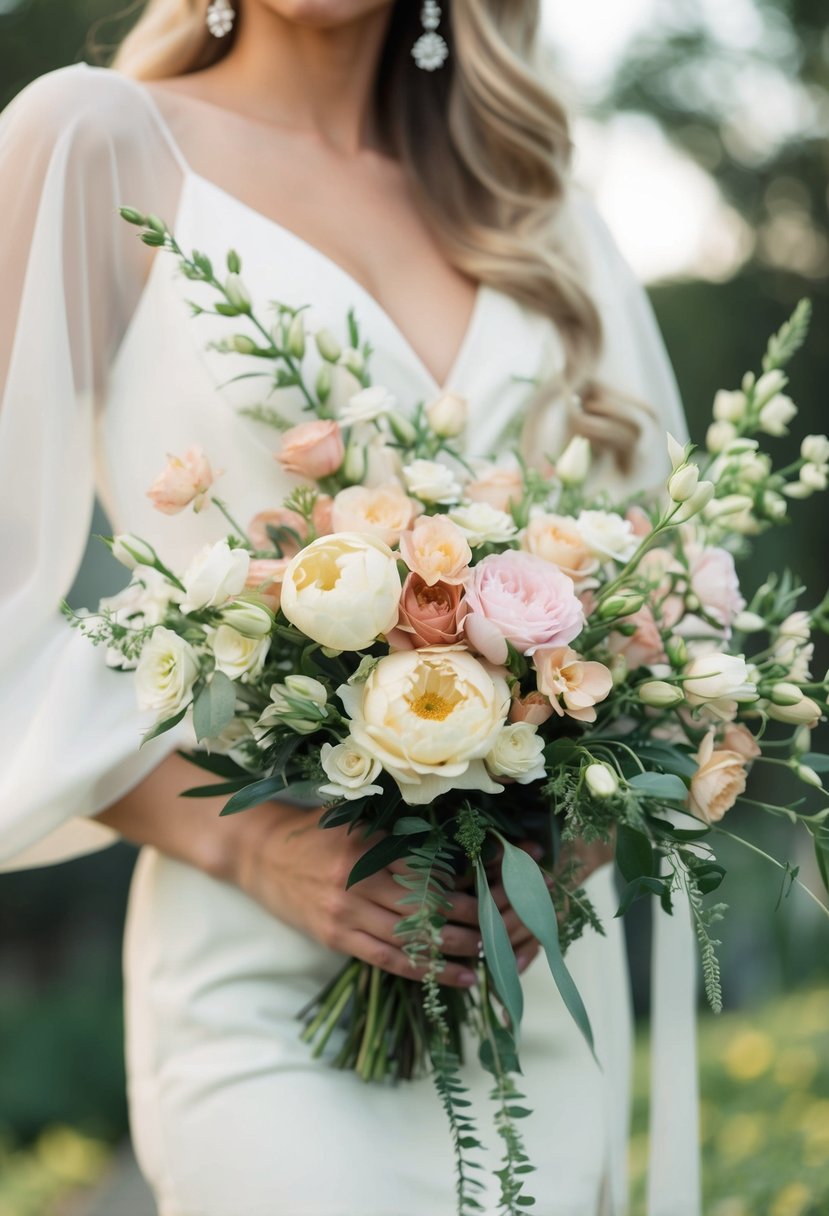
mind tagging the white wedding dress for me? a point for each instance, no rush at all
(104, 374)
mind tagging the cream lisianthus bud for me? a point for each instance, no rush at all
(676, 452)
(248, 617)
(601, 780)
(660, 694)
(237, 294)
(785, 694)
(296, 336)
(815, 449)
(719, 435)
(731, 504)
(683, 482)
(814, 476)
(698, 501)
(132, 551)
(447, 415)
(802, 741)
(354, 465)
(768, 386)
(573, 464)
(242, 344)
(729, 406)
(323, 384)
(776, 415)
(677, 650)
(401, 428)
(749, 622)
(354, 361)
(805, 713)
(327, 345)
(624, 604)
(807, 774)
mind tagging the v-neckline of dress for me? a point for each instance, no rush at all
(355, 286)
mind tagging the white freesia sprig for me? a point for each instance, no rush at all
(350, 770)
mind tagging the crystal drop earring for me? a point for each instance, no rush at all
(430, 51)
(220, 17)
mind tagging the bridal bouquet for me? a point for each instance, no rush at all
(454, 657)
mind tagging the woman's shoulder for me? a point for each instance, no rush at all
(97, 106)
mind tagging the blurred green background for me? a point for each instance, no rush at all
(702, 133)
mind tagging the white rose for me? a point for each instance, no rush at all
(166, 673)
(430, 717)
(776, 415)
(447, 415)
(607, 534)
(367, 405)
(350, 770)
(431, 482)
(815, 449)
(729, 406)
(518, 753)
(573, 464)
(214, 576)
(132, 551)
(249, 617)
(238, 655)
(342, 590)
(482, 524)
(719, 681)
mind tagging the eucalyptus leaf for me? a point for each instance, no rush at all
(498, 951)
(214, 707)
(639, 888)
(528, 894)
(634, 855)
(253, 795)
(816, 760)
(499, 1039)
(386, 850)
(222, 766)
(408, 825)
(660, 785)
(217, 789)
(161, 727)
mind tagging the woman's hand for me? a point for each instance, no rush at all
(298, 872)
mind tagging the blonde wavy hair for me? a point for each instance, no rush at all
(487, 151)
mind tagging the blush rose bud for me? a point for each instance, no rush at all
(660, 694)
(601, 780)
(805, 713)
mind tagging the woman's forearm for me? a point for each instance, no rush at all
(190, 829)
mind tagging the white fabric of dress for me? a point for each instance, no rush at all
(104, 372)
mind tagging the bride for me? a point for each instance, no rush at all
(410, 164)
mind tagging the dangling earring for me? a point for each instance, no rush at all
(220, 17)
(430, 51)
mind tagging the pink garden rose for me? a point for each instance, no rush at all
(312, 449)
(429, 615)
(572, 685)
(518, 598)
(182, 482)
(713, 580)
(644, 647)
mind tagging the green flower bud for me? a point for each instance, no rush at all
(323, 384)
(623, 604)
(296, 336)
(401, 428)
(327, 345)
(354, 464)
(677, 651)
(242, 344)
(237, 293)
(354, 361)
(601, 780)
(234, 262)
(807, 774)
(132, 216)
(659, 694)
(785, 694)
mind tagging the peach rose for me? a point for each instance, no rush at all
(718, 782)
(639, 521)
(644, 647)
(384, 512)
(437, 550)
(738, 738)
(312, 449)
(182, 482)
(534, 708)
(429, 615)
(557, 539)
(258, 530)
(500, 487)
(265, 579)
(573, 686)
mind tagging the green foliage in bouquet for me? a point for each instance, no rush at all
(394, 648)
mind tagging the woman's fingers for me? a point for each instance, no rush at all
(392, 959)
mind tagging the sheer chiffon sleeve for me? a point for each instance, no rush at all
(74, 145)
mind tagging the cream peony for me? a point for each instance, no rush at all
(237, 655)
(430, 717)
(518, 754)
(342, 590)
(437, 550)
(214, 576)
(385, 512)
(718, 782)
(350, 770)
(166, 673)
